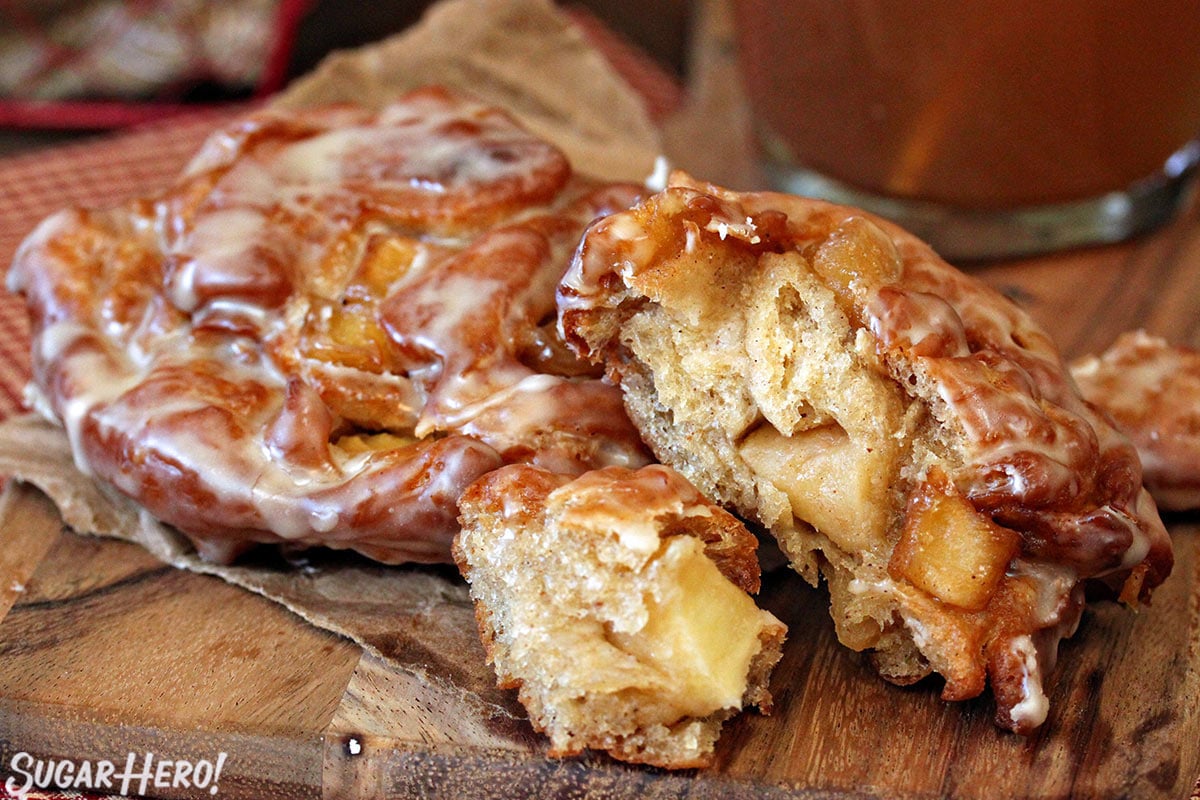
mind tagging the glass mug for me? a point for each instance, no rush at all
(990, 128)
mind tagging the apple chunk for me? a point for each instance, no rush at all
(832, 482)
(702, 631)
(949, 549)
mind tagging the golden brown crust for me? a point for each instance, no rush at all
(844, 367)
(1151, 389)
(330, 325)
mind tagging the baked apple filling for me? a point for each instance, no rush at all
(701, 633)
(949, 549)
(832, 482)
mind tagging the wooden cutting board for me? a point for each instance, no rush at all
(106, 652)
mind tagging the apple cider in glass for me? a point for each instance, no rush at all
(1053, 123)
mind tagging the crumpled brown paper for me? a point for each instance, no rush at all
(527, 57)
(523, 56)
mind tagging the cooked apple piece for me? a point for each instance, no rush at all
(357, 443)
(350, 336)
(701, 630)
(386, 259)
(949, 549)
(833, 483)
(856, 257)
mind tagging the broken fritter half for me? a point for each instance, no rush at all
(901, 429)
(618, 604)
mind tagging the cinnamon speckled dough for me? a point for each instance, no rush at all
(1151, 389)
(617, 603)
(903, 430)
